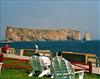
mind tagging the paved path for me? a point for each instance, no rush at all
(96, 70)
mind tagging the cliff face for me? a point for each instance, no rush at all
(87, 36)
(25, 34)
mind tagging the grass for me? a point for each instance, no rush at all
(16, 74)
(12, 73)
(21, 74)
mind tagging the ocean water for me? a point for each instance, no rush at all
(92, 47)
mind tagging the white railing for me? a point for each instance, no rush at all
(98, 61)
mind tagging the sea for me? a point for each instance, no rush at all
(90, 47)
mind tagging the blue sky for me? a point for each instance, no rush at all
(74, 14)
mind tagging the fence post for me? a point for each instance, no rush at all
(90, 67)
(21, 52)
(1, 61)
(97, 61)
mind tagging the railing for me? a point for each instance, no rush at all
(92, 60)
(97, 61)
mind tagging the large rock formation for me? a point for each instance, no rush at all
(25, 34)
(87, 36)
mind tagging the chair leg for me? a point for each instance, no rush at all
(44, 73)
(52, 76)
(0, 67)
(31, 74)
(81, 75)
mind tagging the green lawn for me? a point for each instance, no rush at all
(21, 74)
(16, 74)
(12, 73)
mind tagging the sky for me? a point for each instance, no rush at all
(83, 16)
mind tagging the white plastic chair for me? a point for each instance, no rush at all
(0, 66)
(37, 65)
(63, 69)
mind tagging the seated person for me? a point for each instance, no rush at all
(46, 62)
(45, 59)
(5, 49)
(48, 71)
(36, 50)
